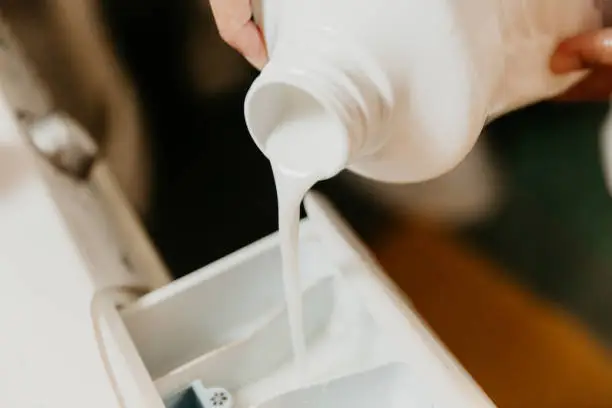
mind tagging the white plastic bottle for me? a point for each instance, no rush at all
(399, 90)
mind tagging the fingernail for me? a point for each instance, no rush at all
(562, 63)
(256, 53)
(258, 61)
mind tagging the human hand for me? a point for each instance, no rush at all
(591, 51)
(233, 19)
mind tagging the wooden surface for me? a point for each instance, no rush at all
(522, 351)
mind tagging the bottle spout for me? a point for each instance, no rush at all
(297, 125)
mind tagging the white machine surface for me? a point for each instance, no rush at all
(73, 257)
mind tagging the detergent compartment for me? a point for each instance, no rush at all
(227, 324)
(225, 327)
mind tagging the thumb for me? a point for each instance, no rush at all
(586, 50)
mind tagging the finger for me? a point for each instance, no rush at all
(249, 41)
(233, 19)
(583, 51)
(597, 86)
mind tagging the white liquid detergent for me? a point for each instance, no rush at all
(291, 191)
(395, 90)
(291, 188)
(293, 144)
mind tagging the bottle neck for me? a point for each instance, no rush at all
(313, 112)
